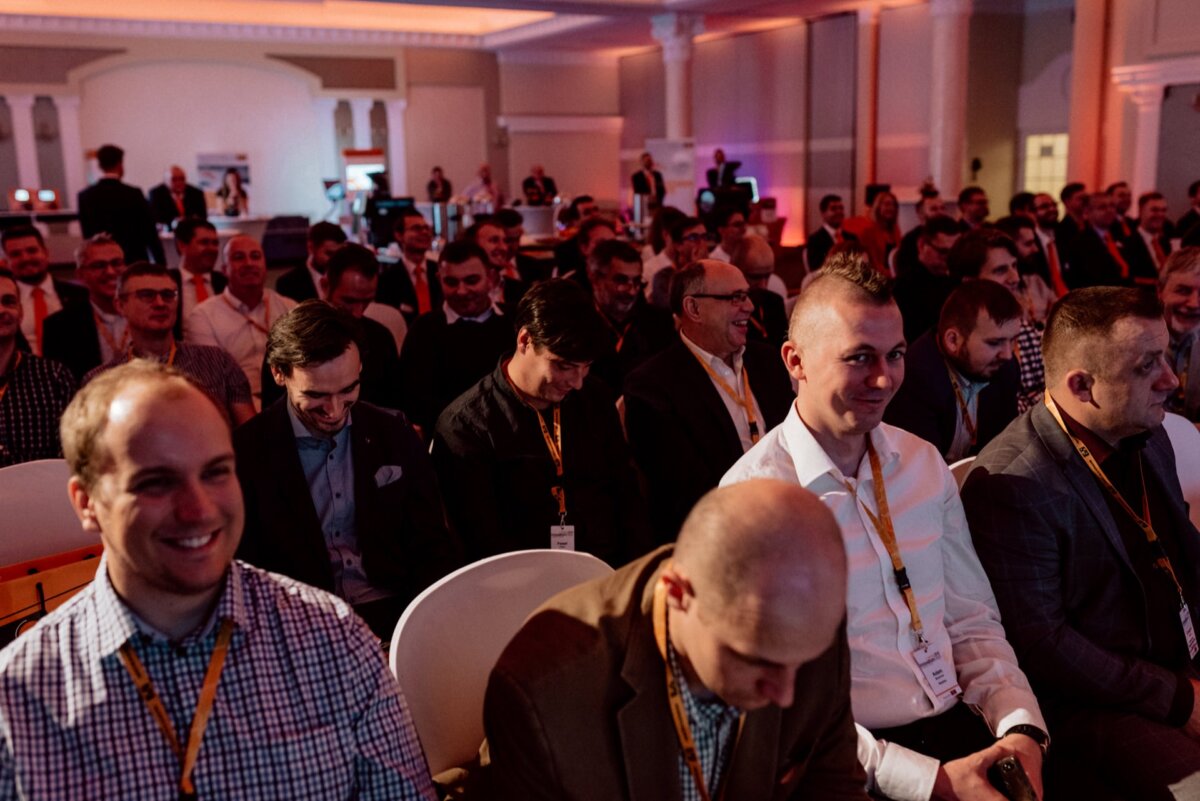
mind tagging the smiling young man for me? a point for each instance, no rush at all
(926, 645)
(1078, 516)
(103, 698)
(1179, 291)
(533, 456)
(41, 295)
(340, 494)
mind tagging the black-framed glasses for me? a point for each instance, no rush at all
(739, 297)
(148, 295)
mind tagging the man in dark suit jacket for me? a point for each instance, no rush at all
(1097, 257)
(175, 198)
(687, 412)
(29, 260)
(303, 282)
(323, 474)
(398, 284)
(960, 380)
(723, 174)
(580, 703)
(1148, 245)
(73, 336)
(822, 240)
(539, 189)
(1092, 612)
(119, 210)
(649, 181)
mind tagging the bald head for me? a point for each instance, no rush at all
(755, 258)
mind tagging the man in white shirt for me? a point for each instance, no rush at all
(927, 647)
(41, 295)
(730, 225)
(239, 319)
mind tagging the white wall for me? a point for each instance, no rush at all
(163, 113)
(445, 127)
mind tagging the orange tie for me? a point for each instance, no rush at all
(837, 237)
(178, 203)
(1159, 255)
(1116, 254)
(1060, 286)
(39, 315)
(201, 289)
(422, 288)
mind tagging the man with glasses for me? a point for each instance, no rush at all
(694, 409)
(412, 286)
(921, 291)
(88, 335)
(148, 299)
(686, 242)
(449, 349)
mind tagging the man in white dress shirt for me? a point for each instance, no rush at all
(239, 318)
(935, 686)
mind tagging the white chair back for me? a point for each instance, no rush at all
(960, 469)
(1185, 439)
(449, 638)
(36, 518)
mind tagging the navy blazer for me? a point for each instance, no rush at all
(120, 210)
(162, 204)
(70, 337)
(396, 289)
(1073, 607)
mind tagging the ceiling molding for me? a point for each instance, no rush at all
(556, 26)
(559, 57)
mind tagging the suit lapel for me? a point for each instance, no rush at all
(753, 767)
(696, 383)
(293, 499)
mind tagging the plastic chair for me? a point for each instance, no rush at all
(449, 638)
(1185, 439)
(960, 469)
(37, 518)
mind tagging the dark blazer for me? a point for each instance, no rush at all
(400, 526)
(297, 284)
(218, 283)
(396, 289)
(1142, 268)
(1090, 263)
(650, 330)
(642, 187)
(70, 337)
(120, 210)
(162, 204)
(769, 321)
(819, 243)
(539, 197)
(725, 175)
(925, 404)
(576, 708)
(1073, 607)
(681, 434)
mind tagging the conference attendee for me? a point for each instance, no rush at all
(1047, 234)
(1075, 199)
(148, 298)
(1179, 291)
(533, 456)
(755, 257)
(239, 319)
(86, 335)
(636, 330)
(1035, 294)
(340, 494)
(234, 200)
(723, 173)
(687, 242)
(1122, 197)
(820, 241)
(33, 391)
(197, 277)
(176, 649)
(973, 208)
(508, 288)
(930, 204)
(927, 647)
(729, 224)
(572, 256)
(961, 383)
(1097, 257)
(484, 193)
(654, 254)
(111, 206)
(649, 181)
(1188, 225)
(743, 616)
(438, 189)
(1148, 246)
(881, 235)
(1078, 517)
(303, 282)
(448, 350)
(1022, 205)
(174, 199)
(694, 409)
(538, 188)
(41, 296)
(922, 290)
(412, 286)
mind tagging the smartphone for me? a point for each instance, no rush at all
(1008, 776)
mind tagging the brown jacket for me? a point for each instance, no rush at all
(577, 709)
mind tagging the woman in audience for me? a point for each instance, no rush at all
(234, 201)
(883, 234)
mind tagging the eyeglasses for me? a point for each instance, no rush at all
(450, 282)
(148, 295)
(418, 229)
(692, 238)
(737, 298)
(111, 264)
(619, 280)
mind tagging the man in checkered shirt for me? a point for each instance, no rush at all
(179, 673)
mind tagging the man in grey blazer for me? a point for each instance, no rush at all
(1080, 523)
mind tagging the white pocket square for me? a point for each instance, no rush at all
(387, 474)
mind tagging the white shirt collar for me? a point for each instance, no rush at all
(712, 360)
(46, 285)
(453, 317)
(811, 460)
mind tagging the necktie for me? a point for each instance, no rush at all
(39, 315)
(178, 203)
(1159, 255)
(837, 237)
(201, 289)
(1116, 254)
(422, 288)
(1060, 286)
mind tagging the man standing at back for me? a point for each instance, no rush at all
(926, 644)
(113, 207)
(175, 199)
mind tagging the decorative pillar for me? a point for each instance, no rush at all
(397, 152)
(866, 121)
(1149, 99)
(328, 157)
(360, 113)
(1088, 83)
(948, 93)
(675, 33)
(72, 146)
(21, 109)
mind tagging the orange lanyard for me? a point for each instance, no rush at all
(208, 693)
(108, 337)
(170, 356)
(553, 445)
(265, 325)
(683, 729)
(745, 399)
(1143, 521)
(620, 333)
(962, 405)
(11, 373)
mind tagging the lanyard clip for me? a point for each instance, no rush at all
(902, 579)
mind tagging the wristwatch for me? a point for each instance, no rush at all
(1033, 732)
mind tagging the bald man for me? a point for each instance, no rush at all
(174, 199)
(926, 645)
(741, 622)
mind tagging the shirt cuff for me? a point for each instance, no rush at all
(1183, 702)
(905, 775)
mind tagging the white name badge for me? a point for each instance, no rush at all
(1189, 631)
(562, 538)
(939, 675)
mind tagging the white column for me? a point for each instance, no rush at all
(1149, 99)
(360, 113)
(675, 32)
(948, 93)
(866, 122)
(1089, 75)
(327, 155)
(72, 146)
(397, 152)
(21, 109)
